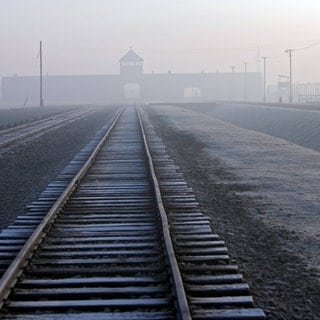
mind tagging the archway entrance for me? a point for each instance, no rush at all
(131, 91)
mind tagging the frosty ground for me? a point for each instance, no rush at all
(262, 195)
(260, 192)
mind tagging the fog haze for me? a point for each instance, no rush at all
(88, 37)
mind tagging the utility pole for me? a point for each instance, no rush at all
(245, 80)
(41, 96)
(264, 78)
(290, 77)
(232, 83)
(258, 59)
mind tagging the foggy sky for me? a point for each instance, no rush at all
(89, 36)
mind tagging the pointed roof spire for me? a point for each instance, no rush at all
(131, 56)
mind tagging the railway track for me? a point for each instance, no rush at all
(124, 240)
(13, 136)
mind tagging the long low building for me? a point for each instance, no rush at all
(131, 85)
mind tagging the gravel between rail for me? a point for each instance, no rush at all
(27, 169)
(281, 282)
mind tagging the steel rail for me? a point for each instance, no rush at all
(42, 129)
(120, 247)
(182, 303)
(11, 275)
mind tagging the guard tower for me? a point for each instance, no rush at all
(131, 69)
(131, 66)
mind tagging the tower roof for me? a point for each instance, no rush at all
(131, 56)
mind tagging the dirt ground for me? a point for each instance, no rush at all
(282, 283)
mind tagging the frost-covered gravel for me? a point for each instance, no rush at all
(27, 169)
(262, 193)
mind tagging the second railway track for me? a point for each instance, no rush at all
(108, 250)
(13, 136)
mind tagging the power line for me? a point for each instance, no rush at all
(308, 46)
